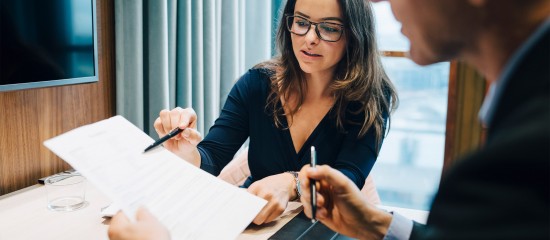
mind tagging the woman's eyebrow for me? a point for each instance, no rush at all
(332, 18)
(301, 14)
(324, 19)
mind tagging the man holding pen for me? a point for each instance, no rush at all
(502, 190)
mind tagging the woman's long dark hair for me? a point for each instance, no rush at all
(359, 76)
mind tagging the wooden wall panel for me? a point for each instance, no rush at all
(28, 117)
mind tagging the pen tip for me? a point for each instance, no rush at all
(312, 220)
(147, 149)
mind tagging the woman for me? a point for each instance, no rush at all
(327, 89)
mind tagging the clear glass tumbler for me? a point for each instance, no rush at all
(66, 192)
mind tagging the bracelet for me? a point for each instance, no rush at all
(298, 188)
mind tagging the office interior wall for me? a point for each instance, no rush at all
(29, 117)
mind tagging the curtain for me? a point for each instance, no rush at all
(187, 53)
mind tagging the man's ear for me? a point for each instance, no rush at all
(478, 3)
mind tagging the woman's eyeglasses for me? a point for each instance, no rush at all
(327, 31)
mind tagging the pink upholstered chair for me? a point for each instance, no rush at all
(237, 171)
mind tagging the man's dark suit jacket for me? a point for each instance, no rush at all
(502, 191)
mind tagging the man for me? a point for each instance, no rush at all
(498, 192)
(501, 191)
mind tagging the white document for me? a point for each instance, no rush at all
(190, 202)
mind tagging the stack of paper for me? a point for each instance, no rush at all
(191, 203)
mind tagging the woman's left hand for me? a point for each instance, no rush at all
(277, 190)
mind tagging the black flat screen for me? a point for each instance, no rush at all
(47, 43)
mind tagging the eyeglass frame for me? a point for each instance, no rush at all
(316, 27)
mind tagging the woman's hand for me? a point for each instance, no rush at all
(184, 144)
(341, 206)
(145, 227)
(277, 190)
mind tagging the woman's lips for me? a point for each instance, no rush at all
(313, 55)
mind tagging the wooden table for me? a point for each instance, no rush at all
(24, 215)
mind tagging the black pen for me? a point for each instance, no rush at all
(171, 134)
(312, 184)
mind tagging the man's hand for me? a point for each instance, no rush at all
(146, 227)
(341, 206)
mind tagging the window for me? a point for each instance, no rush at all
(410, 163)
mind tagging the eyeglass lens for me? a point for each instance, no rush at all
(325, 30)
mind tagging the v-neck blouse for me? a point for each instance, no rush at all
(271, 150)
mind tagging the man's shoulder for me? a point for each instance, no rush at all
(503, 185)
(520, 143)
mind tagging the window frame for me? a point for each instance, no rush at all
(463, 131)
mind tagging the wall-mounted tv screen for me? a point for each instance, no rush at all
(46, 43)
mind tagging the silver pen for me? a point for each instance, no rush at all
(313, 185)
